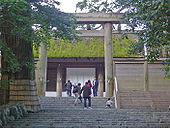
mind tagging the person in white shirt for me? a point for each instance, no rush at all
(109, 103)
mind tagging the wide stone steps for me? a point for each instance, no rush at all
(144, 99)
(66, 115)
(68, 102)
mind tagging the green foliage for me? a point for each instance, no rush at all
(31, 21)
(21, 15)
(87, 48)
(121, 47)
(14, 17)
(153, 17)
(95, 6)
(10, 58)
(166, 67)
(5, 84)
(82, 48)
(35, 51)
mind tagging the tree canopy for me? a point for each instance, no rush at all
(95, 6)
(42, 15)
(28, 21)
(152, 16)
(87, 47)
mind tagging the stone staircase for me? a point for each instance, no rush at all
(144, 99)
(68, 103)
(61, 113)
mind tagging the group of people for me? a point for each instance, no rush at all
(86, 92)
(94, 86)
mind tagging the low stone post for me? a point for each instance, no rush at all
(146, 79)
(100, 85)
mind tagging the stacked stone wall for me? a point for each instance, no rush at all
(11, 112)
(25, 91)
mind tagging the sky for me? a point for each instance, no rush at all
(68, 6)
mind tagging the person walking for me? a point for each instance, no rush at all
(68, 87)
(77, 93)
(90, 85)
(95, 87)
(86, 95)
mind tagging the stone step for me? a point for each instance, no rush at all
(68, 102)
(144, 99)
(61, 113)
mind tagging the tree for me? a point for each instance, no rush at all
(95, 6)
(25, 21)
(152, 16)
(94, 47)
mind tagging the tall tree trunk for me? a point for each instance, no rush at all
(23, 52)
(22, 88)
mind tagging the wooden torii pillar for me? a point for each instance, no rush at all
(41, 72)
(107, 19)
(59, 81)
(108, 56)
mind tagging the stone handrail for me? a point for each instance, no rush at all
(115, 91)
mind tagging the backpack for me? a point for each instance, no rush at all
(75, 89)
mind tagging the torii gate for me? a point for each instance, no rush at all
(107, 19)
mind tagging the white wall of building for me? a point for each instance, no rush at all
(80, 75)
(76, 75)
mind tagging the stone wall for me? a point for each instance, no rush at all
(4, 94)
(130, 75)
(11, 112)
(25, 91)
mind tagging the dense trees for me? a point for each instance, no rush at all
(87, 48)
(25, 21)
(152, 16)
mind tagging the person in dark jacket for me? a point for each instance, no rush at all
(86, 95)
(90, 85)
(68, 87)
(77, 94)
(95, 87)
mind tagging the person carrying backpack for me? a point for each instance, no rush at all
(76, 95)
(68, 87)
